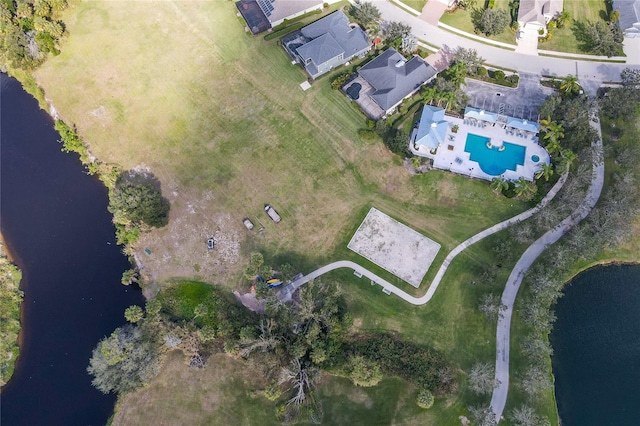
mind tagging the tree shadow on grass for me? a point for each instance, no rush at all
(579, 30)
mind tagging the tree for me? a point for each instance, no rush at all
(614, 16)
(365, 13)
(393, 30)
(398, 143)
(409, 43)
(524, 189)
(545, 171)
(570, 86)
(425, 399)
(552, 129)
(123, 361)
(482, 416)
(603, 39)
(491, 21)
(456, 73)
(567, 158)
(138, 203)
(482, 379)
(499, 185)
(133, 314)
(41, 8)
(526, 416)
(630, 78)
(364, 372)
(490, 306)
(534, 381)
(469, 57)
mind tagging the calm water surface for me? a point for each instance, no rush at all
(596, 342)
(55, 222)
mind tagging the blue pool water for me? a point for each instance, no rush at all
(492, 161)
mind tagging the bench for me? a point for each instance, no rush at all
(357, 274)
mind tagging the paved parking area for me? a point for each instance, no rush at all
(522, 101)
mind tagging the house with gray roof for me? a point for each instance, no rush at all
(392, 78)
(538, 13)
(327, 43)
(629, 17)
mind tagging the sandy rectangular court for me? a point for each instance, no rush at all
(395, 247)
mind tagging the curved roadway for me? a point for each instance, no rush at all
(499, 397)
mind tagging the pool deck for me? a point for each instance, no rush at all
(451, 155)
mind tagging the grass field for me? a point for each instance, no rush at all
(218, 116)
(564, 39)
(415, 4)
(461, 19)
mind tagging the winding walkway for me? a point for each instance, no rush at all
(286, 292)
(503, 333)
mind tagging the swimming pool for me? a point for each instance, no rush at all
(494, 161)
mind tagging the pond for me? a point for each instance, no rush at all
(596, 343)
(55, 223)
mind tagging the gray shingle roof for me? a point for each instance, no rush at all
(629, 13)
(393, 78)
(321, 49)
(535, 10)
(331, 36)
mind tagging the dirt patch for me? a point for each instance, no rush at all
(394, 247)
(180, 249)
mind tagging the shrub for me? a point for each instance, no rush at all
(71, 142)
(273, 392)
(425, 399)
(367, 135)
(364, 372)
(498, 75)
(419, 365)
(482, 72)
(284, 31)
(339, 80)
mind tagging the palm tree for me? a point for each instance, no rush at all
(570, 85)
(553, 146)
(429, 94)
(545, 171)
(567, 158)
(524, 189)
(552, 129)
(499, 185)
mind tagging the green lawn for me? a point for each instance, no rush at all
(461, 19)
(564, 39)
(218, 116)
(415, 4)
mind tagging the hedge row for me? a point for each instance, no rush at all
(284, 31)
